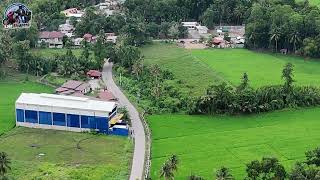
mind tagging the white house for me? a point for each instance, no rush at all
(53, 39)
(112, 39)
(108, 7)
(202, 29)
(77, 42)
(190, 25)
(66, 28)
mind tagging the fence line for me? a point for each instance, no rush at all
(147, 164)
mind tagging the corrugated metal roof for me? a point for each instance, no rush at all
(72, 84)
(50, 34)
(62, 101)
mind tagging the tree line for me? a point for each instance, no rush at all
(284, 24)
(243, 99)
(268, 168)
(208, 11)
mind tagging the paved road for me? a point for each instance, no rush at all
(139, 134)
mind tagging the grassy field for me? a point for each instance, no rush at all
(206, 143)
(182, 64)
(263, 69)
(47, 52)
(10, 91)
(202, 68)
(66, 155)
(49, 154)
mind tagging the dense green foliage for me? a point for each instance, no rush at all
(205, 143)
(153, 88)
(243, 99)
(159, 11)
(50, 154)
(284, 24)
(4, 165)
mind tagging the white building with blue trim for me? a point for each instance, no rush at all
(50, 111)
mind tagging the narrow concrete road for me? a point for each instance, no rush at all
(137, 126)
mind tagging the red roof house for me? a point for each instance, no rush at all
(50, 35)
(106, 96)
(52, 38)
(72, 86)
(94, 74)
(88, 37)
(217, 40)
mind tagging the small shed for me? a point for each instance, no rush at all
(94, 74)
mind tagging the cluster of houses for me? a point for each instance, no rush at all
(54, 39)
(196, 30)
(235, 34)
(109, 7)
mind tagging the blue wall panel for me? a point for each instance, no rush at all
(59, 119)
(102, 123)
(31, 116)
(88, 122)
(120, 132)
(92, 122)
(73, 120)
(85, 122)
(45, 118)
(20, 115)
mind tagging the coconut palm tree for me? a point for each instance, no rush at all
(275, 36)
(253, 37)
(137, 68)
(166, 171)
(4, 164)
(224, 174)
(238, 12)
(174, 161)
(295, 39)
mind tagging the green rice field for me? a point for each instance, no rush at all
(201, 68)
(263, 69)
(182, 64)
(205, 143)
(10, 91)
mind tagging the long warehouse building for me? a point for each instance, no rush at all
(50, 111)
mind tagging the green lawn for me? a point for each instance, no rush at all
(263, 69)
(182, 64)
(10, 91)
(205, 143)
(66, 155)
(47, 52)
